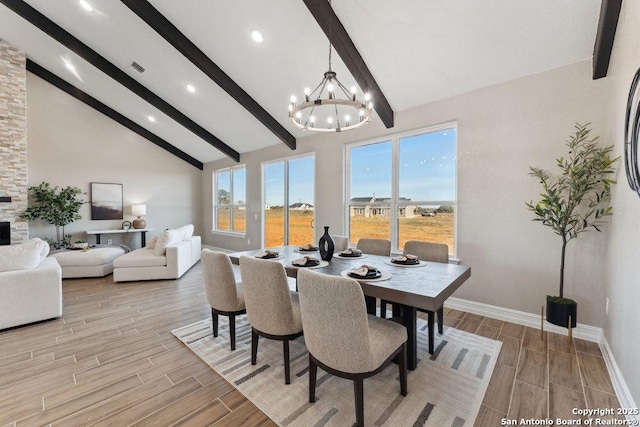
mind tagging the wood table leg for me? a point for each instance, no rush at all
(371, 304)
(409, 321)
(440, 320)
(430, 323)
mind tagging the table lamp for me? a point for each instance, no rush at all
(139, 210)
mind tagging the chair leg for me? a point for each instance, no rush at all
(285, 350)
(313, 373)
(254, 346)
(359, 392)
(232, 331)
(402, 365)
(440, 320)
(383, 309)
(214, 320)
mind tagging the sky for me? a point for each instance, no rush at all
(427, 169)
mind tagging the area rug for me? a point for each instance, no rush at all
(446, 388)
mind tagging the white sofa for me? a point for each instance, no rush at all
(167, 256)
(30, 284)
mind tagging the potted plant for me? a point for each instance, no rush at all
(55, 206)
(574, 201)
(80, 244)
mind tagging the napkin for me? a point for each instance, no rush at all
(404, 258)
(266, 254)
(351, 252)
(363, 270)
(305, 260)
(308, 248)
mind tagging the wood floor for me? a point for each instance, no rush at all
(112, 360)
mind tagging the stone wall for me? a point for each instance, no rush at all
(13, 139)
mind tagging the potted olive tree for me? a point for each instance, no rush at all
(574, 201)
(55, 206)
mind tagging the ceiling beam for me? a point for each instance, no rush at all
(61, 84)
(609, 13)
(58, 33)
(186, 47)
(342, 43)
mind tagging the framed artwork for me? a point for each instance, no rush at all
(106, 201)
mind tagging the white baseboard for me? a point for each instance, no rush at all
(619, 385)
(585, 332)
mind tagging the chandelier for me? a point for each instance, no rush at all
(330, 107)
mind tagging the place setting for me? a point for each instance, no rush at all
(306, 248)
(268, 254)
(349, 254)
(406, 260)
(367, 273)
(307, 262)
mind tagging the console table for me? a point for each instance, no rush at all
(142, 231)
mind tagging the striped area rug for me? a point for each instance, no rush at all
(446, 389)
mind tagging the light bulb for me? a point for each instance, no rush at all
(298, 114)
(307, 91)
(361, 112)
(330, 120)
(370, 106)
(367, 96)
(353, 90)
(293, 99)
(290, 107)
(86, 6)
(330, 87)
(312, 119)
(347, 118)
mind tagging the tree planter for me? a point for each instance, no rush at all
(559, 310)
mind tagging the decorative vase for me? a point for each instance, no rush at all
(325, 245)
(139, 223)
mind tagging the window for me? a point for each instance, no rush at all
(229, 210)
(404, 188)
(289, 199)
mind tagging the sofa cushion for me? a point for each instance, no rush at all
(187, 231)
(22, 256)
(140, 258)
(151, 243)
(95, 256)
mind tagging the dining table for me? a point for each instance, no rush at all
(409, 288)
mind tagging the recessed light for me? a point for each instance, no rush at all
(257, 36)
(86, 6)
(151, 119)
(191, 88)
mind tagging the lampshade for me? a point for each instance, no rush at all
(138, 210)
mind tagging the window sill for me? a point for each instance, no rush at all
(229, 233)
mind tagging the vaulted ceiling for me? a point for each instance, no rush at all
(407, 53)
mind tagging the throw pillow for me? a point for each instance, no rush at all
(167, 238)
(151, 244)
(22, 256)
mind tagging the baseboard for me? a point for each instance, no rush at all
(585, 332)
(619, 385)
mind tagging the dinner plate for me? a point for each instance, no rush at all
(370, 275)
(395, 264)
(340, 256)
(278, 256)
(385, 275)
(407, 262)
(304, 251)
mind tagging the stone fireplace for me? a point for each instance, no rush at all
(13, 143)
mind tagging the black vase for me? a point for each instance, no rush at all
(326, 245)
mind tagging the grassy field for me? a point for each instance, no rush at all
(434, 229)
(438, 228)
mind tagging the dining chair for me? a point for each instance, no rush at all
(375, 246)
(425, 251)
(224, 293)
(340, 243)
(343, 339)
(273, 310)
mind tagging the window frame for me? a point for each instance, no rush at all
(231, 205)
(395, 203)
(286, 194)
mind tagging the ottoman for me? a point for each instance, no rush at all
(95, 262)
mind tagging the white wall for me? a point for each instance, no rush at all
(622, 324)
(502, 130)
(70, 143)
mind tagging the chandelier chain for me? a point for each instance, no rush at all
(330, 35)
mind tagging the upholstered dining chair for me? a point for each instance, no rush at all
(224, 293)
(273, 310)
(375, 246)
(425, 251)
(340, 243)
(343, 339)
